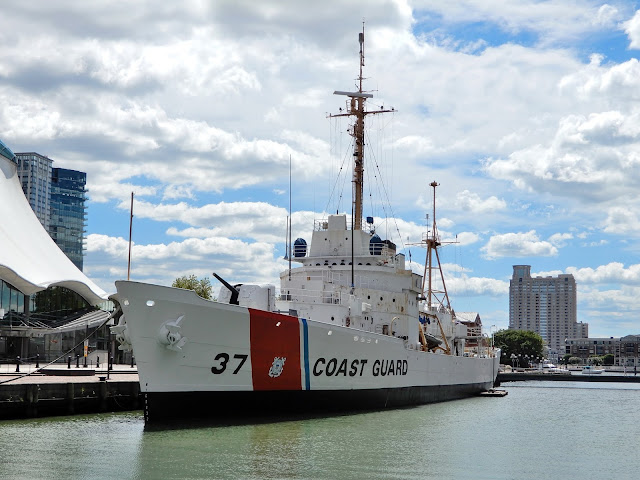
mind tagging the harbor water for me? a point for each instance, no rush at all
(541, 430)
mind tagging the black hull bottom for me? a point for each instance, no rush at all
(247, 405)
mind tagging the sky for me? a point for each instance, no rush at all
(526, 112)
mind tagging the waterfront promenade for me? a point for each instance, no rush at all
(30, 393)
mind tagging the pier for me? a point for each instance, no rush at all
(67, 391)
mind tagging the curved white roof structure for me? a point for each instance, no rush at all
(29, 259)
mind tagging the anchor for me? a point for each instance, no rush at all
(170, 335)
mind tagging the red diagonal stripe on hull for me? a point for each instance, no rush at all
(270, 340)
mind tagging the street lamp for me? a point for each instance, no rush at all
(492, 333)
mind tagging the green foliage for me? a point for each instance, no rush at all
(201, 286)
(595, 360)
(566, 358)
(608, 359)
(519, 343)
(575, 360)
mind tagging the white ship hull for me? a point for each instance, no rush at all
(229, 359)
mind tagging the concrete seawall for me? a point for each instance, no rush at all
(561, 377)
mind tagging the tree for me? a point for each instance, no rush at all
(608, 359)
(201, 286)
(520, 343)
(594, 360)
(566, 358)
(575, 360)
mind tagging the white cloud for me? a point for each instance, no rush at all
(589, 159)
(472, 202)
(632, 29)
(560, 239)
(467, 238)
(611, 273)
(471, 286)
(622, 220)
(517, 245)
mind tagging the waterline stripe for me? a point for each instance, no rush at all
(305, 340)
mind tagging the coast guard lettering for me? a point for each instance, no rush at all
(335, 367)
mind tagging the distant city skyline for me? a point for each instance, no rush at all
(526, 113)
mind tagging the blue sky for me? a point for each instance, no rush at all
(526, 112)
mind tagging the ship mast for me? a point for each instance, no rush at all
(432, 242)
(356, 108)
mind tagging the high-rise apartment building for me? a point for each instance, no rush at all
(545, 305)
(68, 212)
(34, 172)
(57, 196)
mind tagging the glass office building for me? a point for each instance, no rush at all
(68, 212)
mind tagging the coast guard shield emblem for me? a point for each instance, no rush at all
(276, 367)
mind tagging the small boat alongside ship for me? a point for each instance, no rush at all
(352, 327)
(591, 370)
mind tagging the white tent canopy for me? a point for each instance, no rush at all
(29, 259)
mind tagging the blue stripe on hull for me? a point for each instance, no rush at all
(246, 405)
(305, 341)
